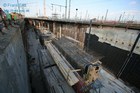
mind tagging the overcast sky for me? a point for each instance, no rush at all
(86, 8)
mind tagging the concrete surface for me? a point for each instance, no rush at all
(118, 37)
(13, 66)
(110, 84)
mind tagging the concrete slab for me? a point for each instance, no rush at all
(110, 84)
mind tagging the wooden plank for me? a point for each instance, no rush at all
(45, 57)
(54, 80)
(62, 65)
(77, 57)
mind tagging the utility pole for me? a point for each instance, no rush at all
(18, 6)
(76, 13)
(37, 10)
(132, 18)
(66, 10)
(123, 16)
(127, 19)
(44, 7)
(81, 16)
(102, 18)
(86, 14)
(69, 9)
(120, 18)
(39, 13)
(106, 14)
(98, 17)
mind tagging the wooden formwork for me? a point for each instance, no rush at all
(77, 57)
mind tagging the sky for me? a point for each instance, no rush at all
(86, 9)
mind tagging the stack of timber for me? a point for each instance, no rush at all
(76, 56)
(52, 77)
(64, 66)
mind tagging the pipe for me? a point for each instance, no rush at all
(89, 34)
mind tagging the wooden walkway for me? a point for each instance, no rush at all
(44, 74)
(53, 78)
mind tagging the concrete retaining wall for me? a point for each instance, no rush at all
(13, 65)
(115, 53)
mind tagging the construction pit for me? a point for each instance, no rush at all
(53, 63)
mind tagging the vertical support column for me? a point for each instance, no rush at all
(65, 29)
(75, 35)
(83, 37)
(75, 32)
(43, 24)
(89, 34)
(54, 27)
(60, 30)
(39, 24)
(48, 25)
(33, 22)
